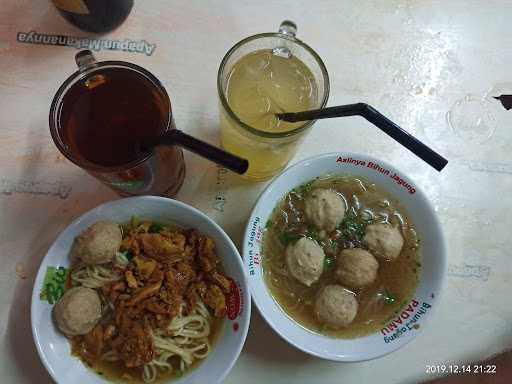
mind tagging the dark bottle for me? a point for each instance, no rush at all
(95, 15)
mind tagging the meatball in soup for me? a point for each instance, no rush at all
(341, 256)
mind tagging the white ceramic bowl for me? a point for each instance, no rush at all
(53, 347)
(433, 257)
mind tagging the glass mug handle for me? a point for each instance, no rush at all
(289, 29)
(85, 60)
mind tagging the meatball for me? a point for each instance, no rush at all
(325, 209)
(336, 306)
(99, 243)
(78, 311)
(356, 268)
(305, 260)
(384, 240)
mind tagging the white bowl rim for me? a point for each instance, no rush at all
(244, 328)
(438, 228)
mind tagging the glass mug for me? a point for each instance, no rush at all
(262, 75)
(101, 114)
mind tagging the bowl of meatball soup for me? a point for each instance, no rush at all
(345, 256)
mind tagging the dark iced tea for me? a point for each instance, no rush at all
(103, 120)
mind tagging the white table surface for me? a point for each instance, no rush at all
(413, 60)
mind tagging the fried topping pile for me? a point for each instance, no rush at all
(169, 271)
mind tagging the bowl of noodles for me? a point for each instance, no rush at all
(141, 290)
(345, 257)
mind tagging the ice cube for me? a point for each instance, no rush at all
(251, 101)
(257, 68)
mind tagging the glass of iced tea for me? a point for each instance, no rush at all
(260, 76)
(100, 116)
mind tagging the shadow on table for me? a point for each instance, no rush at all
(20, 343)
(19, 340)
(264, 344)
(53, 215)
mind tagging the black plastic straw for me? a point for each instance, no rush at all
(208, 151)
(379, 120)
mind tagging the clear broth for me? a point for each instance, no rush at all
(366, 203)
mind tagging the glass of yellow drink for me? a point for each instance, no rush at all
(260, 76)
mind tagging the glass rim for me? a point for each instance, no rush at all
(57, 104)
(247, 127)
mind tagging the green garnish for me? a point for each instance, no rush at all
(389, 298)
(129, 254)
(288, 238)
(304, 188)
(352, 227)
(328, 262)
(155, 228)
(121, 258)
(54, 284)
(134, 221)
(330, 244)
(269, 224)
(313, 234)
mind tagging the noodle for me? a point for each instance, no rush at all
(94, 276)
(188, 340)
(110, 356)
(186, 337)
(162, 294)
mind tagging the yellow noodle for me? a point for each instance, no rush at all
(94, 276)
(186, 337)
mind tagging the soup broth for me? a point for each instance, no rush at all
(366, 203)
(117, 372)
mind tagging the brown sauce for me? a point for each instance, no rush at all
(117, 372)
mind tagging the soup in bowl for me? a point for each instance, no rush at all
(345, 257)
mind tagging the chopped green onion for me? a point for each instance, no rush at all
(134, 221)
(155, 228)
(123, 257)
(332, 243)
(389, 298)
(328, 262)
(304, 188)
(269, 224)
(352, 227)
(287, 238)
(313, 234)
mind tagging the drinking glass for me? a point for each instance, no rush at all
(159, 171)
(268, 152)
